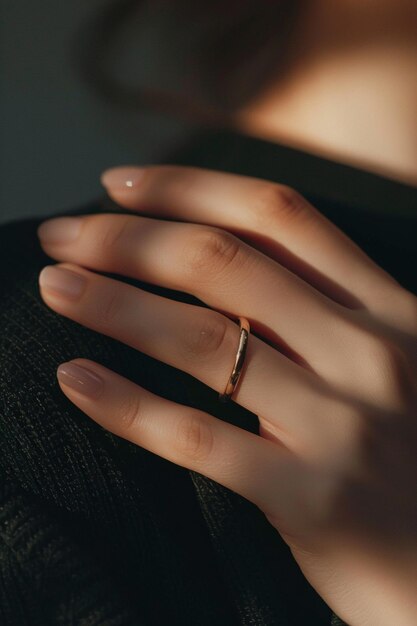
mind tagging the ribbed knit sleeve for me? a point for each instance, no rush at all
(44, 577)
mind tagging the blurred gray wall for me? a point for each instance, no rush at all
(56, 134)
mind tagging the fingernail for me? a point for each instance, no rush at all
(80, 379)
(122, 178)
(62, 281)
(60, 229)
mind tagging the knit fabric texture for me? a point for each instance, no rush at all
(97, 531)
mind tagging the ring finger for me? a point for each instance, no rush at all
(203, 343)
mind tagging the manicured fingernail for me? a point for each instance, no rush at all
(122, 178)
(80, 378)
(62, 281)
(60, 229)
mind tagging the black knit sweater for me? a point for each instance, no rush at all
(97, 531)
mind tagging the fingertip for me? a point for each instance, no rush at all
(85, 380)
(121, 178)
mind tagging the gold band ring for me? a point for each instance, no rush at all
(239, 360)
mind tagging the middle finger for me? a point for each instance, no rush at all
(216, 267)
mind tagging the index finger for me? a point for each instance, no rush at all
(274, 218)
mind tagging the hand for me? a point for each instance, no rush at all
(331, 367)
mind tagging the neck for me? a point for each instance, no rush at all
(350, 92)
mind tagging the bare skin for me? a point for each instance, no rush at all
(331, 368)
(350, 91)
(334, 466)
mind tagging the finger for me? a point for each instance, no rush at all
(337, 343)
(261, 471)
(273, 217)
(219, 269)
(202, 343)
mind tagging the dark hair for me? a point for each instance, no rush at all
(231, 50)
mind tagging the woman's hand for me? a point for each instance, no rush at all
(331, 369)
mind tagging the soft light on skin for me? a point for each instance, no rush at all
(122, 177)
(350, 92)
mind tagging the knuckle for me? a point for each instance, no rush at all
(211, 251)
(194, 437)
(389, 366)
(112, 231)
(108, 309)
(205, 335)
(383, 354)
(129, 412)
(281, 205)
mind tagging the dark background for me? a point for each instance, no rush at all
(57, 134)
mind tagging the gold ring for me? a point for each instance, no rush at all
(239, 360)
